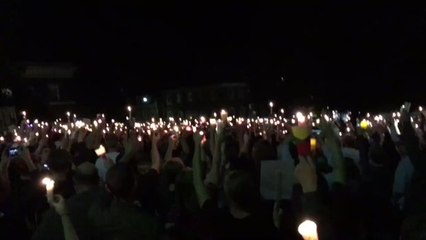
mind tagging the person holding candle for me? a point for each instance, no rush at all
(59, 163)
(86, 182)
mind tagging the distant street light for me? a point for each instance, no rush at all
(144, 99)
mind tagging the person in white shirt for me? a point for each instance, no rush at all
(402, 178)
(103, 163)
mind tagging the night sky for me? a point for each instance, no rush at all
(342, 55)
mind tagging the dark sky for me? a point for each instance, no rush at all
(332, 54)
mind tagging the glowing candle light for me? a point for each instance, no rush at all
(271, 106)
(100, 150)
(50, 184)
(223, 115)
(300, 117)
(308, 230)
(313, 142)
(68, 116)
(129, 109)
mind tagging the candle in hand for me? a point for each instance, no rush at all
(308, 230)
(313, 144)
(224, 115)
(50, 184)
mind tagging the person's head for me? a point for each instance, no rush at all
(111, 142)
(59, 162)
(172, 168)
(401, 149)
(263, 150)
(377, 155)
(85, 177)
(120, 181)
(349, 141)
(230, 149)
(44, 155)
(241, 191)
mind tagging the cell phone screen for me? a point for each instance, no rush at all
(13, 152)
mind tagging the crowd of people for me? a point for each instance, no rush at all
(201, 178)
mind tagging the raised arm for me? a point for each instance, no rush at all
(61, 209)
(169, 152)
(200, 189)
(214, 174)
(155, 155)
(333, 143)
(130, 147)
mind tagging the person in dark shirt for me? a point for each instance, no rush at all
(86, 182)
(114, 215)
(60, 162)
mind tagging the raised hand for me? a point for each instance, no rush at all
(156, 137)
(306, 174)
(58, 204)
(277, 214)
(130, 144)
(197, 138)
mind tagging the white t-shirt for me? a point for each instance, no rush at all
(102, 166)
(403, 174)
(284, 155)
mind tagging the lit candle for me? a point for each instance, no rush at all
(100, 150)
(50, 184)
(223, 115)
(24, 114)
(68, 116)
(308, 230)
(129, 109)
(271, 105)
(313, 144)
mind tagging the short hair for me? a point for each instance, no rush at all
(241, 189)
(263, 150)
(111, 141)
(86, 174)
(120, 180)
(172, 168)
(59, 161)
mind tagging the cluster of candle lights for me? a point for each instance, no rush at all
(260, 125)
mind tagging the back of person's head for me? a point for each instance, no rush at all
(111, 142)
(172, 169)
(349, 141)
(120, 181)
(263, 150)
(86, 174)
(59, 161)
(241, 191)
(377, 155)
